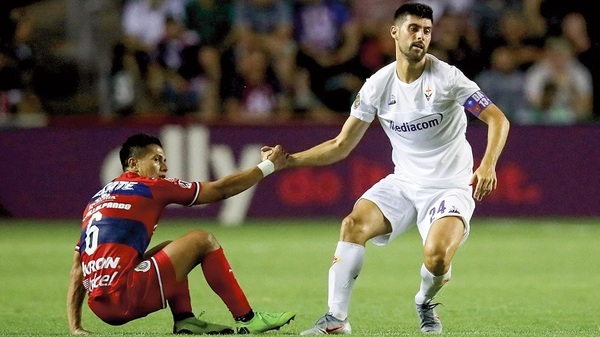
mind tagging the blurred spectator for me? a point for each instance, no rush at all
(19, 105)
(548, 111)
(123, 80)
(10, 83)
(377, 48)
(370, 15)
(212, 21)
(504, 84)
(267, 23)
(184, 88)
(532, 14)
(21, 44)
(255, 94)
(516, 34)
(554, 11)
(486, 14)
(143, 24)
(558, 87)
(457, 42)
(575, 30)
(373, 18)
(328, 39)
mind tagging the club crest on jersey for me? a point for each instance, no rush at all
(428, 92)
(356, 101)
(143, 267)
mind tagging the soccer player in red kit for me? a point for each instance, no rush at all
(124, 280)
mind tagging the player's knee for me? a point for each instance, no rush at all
(436, 259)
(353, 230)
(206, 240)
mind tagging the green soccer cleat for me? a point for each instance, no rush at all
(264, 321)
(195, 326)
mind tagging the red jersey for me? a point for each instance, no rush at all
(119, 222)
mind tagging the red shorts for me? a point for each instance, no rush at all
(140, 291)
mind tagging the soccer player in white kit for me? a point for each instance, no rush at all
(420, 102)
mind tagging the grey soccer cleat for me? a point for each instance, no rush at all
(430, 322)
(327, 325)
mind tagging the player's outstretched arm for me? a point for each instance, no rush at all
(75, 297)
(333, 150)
(212, 191)
(484, 177)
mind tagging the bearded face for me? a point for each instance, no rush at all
(412, 37)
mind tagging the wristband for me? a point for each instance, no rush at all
(267, 167)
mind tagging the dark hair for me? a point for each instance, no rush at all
(414, 8)
(135, 145)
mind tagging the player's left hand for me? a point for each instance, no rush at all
(485, 181)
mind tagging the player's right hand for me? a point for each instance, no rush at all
(484, 180)
(276, 155)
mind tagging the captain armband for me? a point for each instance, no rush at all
(477, 102)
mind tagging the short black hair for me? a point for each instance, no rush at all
(135, 145)
(414, 8)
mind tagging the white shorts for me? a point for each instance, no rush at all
(403, 203)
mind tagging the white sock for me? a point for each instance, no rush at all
(430, 285)
(347, 263)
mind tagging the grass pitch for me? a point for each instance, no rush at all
(511, 278)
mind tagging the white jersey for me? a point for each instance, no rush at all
(424, 120)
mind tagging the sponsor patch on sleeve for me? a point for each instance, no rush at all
(185, 184)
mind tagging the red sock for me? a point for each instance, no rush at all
(179, 301)
(221, 280)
